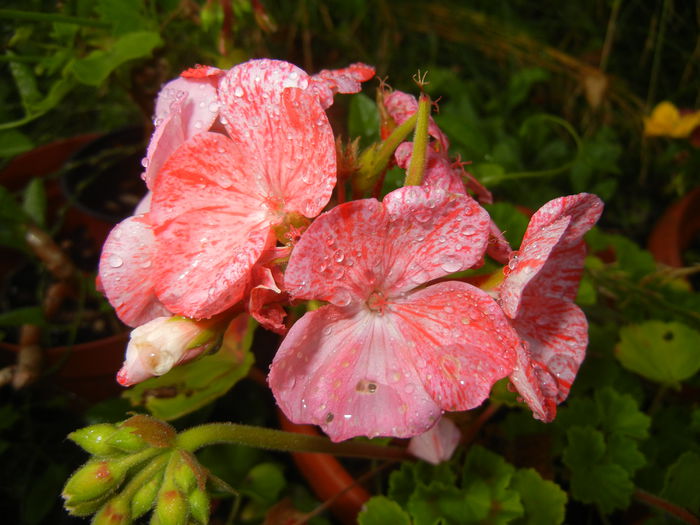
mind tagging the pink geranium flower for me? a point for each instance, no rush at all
(537, 293)
(388, 354)
(217, 196)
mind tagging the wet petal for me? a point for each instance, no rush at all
(125, 272)
(401, 106)
(347, 370)
(194, 99)
(460, 342)
(327, 82)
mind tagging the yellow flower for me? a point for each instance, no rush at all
(667, 121)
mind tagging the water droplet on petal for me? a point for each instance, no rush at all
(115, 261)
(451, 263)
(342, 298)
(338, 256)
(198, 124)
(214, 107)
(238, 91)
(144, 162)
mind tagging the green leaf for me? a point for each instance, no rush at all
(380, 510)
(264, 483)
(404, 481)
(26, 84)
(682, 482)
(620, 414)
(624, 451)
(544, 501)
(97, 66)
(488, 173)
(521, 82)
(35, 201)
(437, 501)
(666, 353)
(363, 120)
(41, 495)
(597, 157)
(20, 316)
(125, 16)
(198, 383)
(13, 143)
(592, 479)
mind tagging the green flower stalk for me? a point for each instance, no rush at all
(419, 157)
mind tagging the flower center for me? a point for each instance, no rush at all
(377, 302)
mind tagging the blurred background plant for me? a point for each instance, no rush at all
(543, 99)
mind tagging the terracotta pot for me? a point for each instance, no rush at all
(328, 478)
(676, 229)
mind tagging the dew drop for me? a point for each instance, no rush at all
(451, 263)
(144, 162)
(198, 124)
(338, 256)
(115, 261)
(146, 263)
(342, 298)
(214, 107)
(238, 91)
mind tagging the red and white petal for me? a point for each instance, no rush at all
(202, 71)
(209, 224)
(401, 106)
(498, 248)
(439, 172)
(557, 334)
(459, 341)
(583, 209)
(437, 444)
(339, 258)
(327, 82)
(431, 233)
(524, 265)
(348, 371)
(265, 300)
(561, 275)
(166, 138)
(526, 378)
(284, 131)
(195, 100)
(125, 272)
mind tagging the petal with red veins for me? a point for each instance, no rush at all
(284, 131)
(125, 272)
(350, 372)
(166, 138)
(459, 340)
(437, 444)
(202, 71)
(561, 275)
(557, 334)
(210, 226)
(498, 247)
(431, 234)
(265, 300)
(439, 172)
(525, 264)
(328, 82)
(402, 106)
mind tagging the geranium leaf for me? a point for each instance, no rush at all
(682, 482)
(544, 501)
(363, 119)
(666, 353)
(381, 510)
(438, 501)
(620, 414)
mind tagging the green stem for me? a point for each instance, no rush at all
(213, 433)
(670, 508)
(17, 14)
(419, 157)
(392, 142)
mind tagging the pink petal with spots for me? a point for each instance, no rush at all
(437, 444)
(195, 100)
(348, 371)
(583, 208)
(125, 272)
(266, 299)
(526, 379)
(210, 226)
(166, 138)
(557, 334)
(414, 236)
(460, 341)
(402, 106)
(328, 82)
(284, 131)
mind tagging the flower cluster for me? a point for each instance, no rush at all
(247, 212)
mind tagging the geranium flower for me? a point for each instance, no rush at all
(388, 354)
(217, 197)
(540, 285)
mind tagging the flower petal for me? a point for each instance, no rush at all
(459, 340)
(284, 130)
(328, 82)
(195, 100)
(345, 370)
(557, 334)
(439, 172)
(125, 272)
(210, 226)
(402, 106)
(437, 444)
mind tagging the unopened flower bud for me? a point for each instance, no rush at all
(94, 439)
(199, 505)
(94, 479)
(184, 474)
(172, 507)
(145, 497)
(115, 512)
(162, 343)
(125, 439)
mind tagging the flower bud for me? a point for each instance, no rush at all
(125, 439)
(94, 439)
(199, 505)
(160, 344)
(94, 479)
(115, 512)
(171, 507)
(145, 497)
(184, 474)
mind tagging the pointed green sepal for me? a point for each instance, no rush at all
(126, 440)
(199, 505)
(145, 497)
(93, 480)
(116, 512)
(95, 439)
